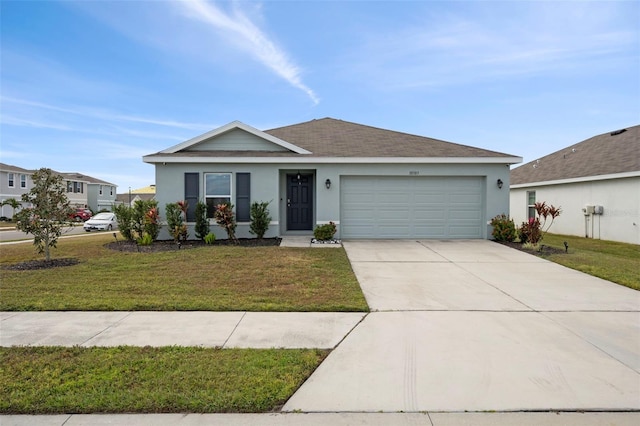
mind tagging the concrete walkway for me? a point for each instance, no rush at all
(207, 329)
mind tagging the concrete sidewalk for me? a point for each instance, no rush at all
(207, 329)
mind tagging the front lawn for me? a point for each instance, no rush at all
(54, 380)
(610, 260)
(211, 278)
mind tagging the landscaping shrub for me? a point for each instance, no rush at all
(175, 213)
(142, 218)
(325, 232)
(260, 218)
(124, 216)
(202, 223)
(529, 232)
(533, 231)
(210, 238)
(226, 218)
(145, 240)
(503, 228)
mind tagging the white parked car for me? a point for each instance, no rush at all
(101, 222)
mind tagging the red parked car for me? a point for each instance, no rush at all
(81, 215)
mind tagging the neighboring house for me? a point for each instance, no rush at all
(14, 181)
(130, 198)
(372, 183)
(87, 191)
(596, 183)
(82, 190)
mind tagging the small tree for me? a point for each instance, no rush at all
(50, 209)
(13, 203)
(202, 223)
(260, 218)
(225, 217)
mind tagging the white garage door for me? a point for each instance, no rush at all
(411, 207)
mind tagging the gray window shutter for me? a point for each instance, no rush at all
(243, 187)
(191, 194)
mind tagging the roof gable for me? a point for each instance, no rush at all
(235, 136)
(606, 154)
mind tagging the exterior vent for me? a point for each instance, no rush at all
(617, 132)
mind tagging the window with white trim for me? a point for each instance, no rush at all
(100, 190)
(11, 179)
(111, 190)
(23, 181)
(531, 201)
(217, 190)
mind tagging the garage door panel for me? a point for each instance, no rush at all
(411, 207)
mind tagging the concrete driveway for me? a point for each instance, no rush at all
(476, 326)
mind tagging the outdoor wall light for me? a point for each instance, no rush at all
(499, 183)
(327, 183)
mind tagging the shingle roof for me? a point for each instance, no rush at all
(10, 168)
(605, 154)
(84, 178)
(331, 138)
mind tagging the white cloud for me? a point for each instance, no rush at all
(250, 38)
(100, 115)
(467, 46)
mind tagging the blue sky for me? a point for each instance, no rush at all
(92, 86)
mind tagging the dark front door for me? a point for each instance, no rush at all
(299, 202)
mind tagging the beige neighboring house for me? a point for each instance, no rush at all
(82, 190)
(87, 191)
(596, 182)
(146, 193)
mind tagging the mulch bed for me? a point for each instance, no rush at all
(42, 264)
(160, 246)
(543, 250)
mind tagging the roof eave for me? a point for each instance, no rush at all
(156, 159)
(577, 180)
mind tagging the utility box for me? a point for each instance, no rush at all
(598, 210)
(589, 209)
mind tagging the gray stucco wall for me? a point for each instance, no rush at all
(268, 183)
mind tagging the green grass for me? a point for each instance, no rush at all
(211, 278)
(51, 380)
(613, 261)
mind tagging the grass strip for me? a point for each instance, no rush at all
(53, 380)
(610, 260)
(209, 278)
